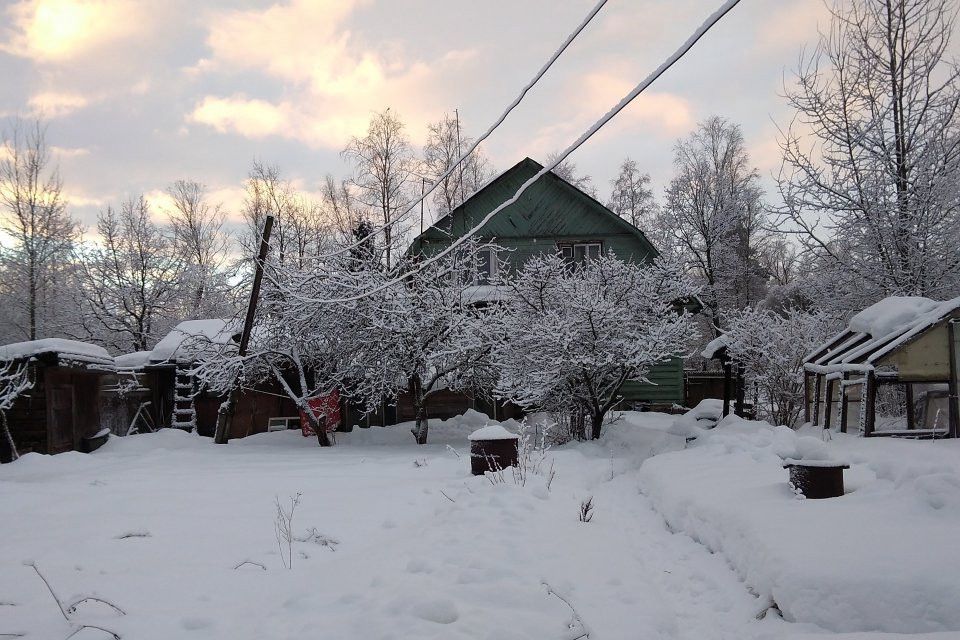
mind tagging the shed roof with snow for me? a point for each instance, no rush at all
(60, 350)
(192, 338)
(901, 333)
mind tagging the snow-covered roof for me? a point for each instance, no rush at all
(74, 350)
(133, 360)
(190, 337)
(710, 351)
(877, 331)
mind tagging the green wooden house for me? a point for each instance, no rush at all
(552, 216)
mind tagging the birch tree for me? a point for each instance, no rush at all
(382, 162)
(41, 233)
(444, 146)
(199, 235)
(871, 158)
(714, 205)
(632, 198)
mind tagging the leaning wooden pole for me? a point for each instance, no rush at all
(225, 415)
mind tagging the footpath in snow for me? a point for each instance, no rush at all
(885, 557)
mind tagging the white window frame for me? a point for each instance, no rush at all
(494, 266)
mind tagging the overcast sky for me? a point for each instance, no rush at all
(139, 93)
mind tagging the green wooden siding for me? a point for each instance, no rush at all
(667, 387)
(552, 212)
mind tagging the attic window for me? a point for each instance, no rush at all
(577, 253)
(486, 265)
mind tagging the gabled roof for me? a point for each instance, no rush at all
(506, 222)
(878, 331)
(61, 348)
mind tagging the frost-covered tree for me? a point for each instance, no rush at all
(382, 162)
(871, 161)
(444, 146)
(39, 234)
(572, 338)
(199, 235)
(771, 347)
(632, 198)
(716, 213)
(421, 335)
(131, 281)
(14, 382)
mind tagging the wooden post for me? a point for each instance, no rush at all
(869, 404)
(225, 415)
(844, 404)
(816, 399)
(828, 411)
(953, 336)
(741, 391)
(727, 384)
(806, 396)
(911, 418)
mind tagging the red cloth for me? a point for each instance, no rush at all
(326, 409)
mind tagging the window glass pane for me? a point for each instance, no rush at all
(579, 252)
(484, 266)
(593, 251)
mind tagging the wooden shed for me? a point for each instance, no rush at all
(892, 372)
(61, 408)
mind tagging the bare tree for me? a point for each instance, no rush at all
(41, 232)
(872, 158)
(131, 282)
(445, 144)
(382, 162)
(569, 172)
(198, 232)
(714, 204)
(632, 198)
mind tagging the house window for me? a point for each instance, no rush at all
(486, 265)
(577, 253)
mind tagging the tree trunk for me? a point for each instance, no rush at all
(321, 430)
(422, 426)
(596, 424)
(8, 437)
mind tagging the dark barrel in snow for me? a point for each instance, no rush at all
(816, 479)
(492, 448)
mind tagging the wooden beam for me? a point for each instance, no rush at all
(727, 387)
(911, 418)
(869, 404)
(816, 399)
(806, 396)
(953, 334)
(844, 404)
(225, 415)
(828, 412)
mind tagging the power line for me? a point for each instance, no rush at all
(712, 20)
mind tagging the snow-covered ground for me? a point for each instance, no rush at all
(399, 541)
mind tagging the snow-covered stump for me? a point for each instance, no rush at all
(492, 448)
(816, 479)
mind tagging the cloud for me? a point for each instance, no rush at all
(53, 104)
(793, 25)
(331, 83)
(664, 114)
(250, 118)
(67, 152)
(52, 31)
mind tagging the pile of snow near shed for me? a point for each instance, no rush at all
(884, 557)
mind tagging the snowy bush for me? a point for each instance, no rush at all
(771, 347)
(573, 337)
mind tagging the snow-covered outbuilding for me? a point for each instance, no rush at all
(892, 371)
(58, 409)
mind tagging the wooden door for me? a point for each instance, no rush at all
(60, 418)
